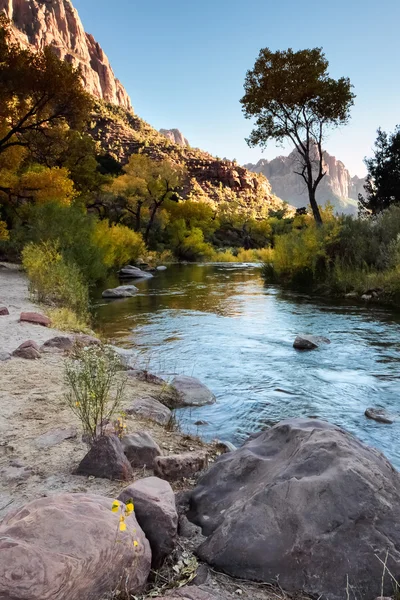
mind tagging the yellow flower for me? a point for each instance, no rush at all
(77, 403)
(122, 526)
(135, 543)
(115, 506)
(129, 508)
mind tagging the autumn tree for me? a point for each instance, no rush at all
(292, 97)
(382, 188)
(37, 93)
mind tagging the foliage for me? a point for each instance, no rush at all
(37, 92)
(4, 233)
(383, 180)
(292, 97)
(54, 280)
(120, 244)
(124, 510)
(65, 319)
(94, 390)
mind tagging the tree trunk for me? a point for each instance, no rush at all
(150, 223)
(138, 216)
(315, 207)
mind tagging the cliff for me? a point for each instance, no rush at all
(174, 135)
(56, 23)
(337, 187)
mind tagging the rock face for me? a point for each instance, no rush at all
(336, 187)
(304, 502)
(175, 136)
(40, 23)
(156, 514)
(64, 547)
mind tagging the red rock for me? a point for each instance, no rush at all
(4, 311)
(64, 548)
(28, 350)
(179, 466)
(36, 318)
(106, 459)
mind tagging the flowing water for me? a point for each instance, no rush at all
(222, 324)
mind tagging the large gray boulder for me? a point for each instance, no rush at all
(304, 503)
(155, 510)
(68, 547)
(189, 391)
(131, 272)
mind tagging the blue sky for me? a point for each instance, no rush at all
(183, 62)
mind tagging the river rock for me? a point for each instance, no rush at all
(189, 391)
(63, 547)
(106, 459)
(131, 272)
(161, 268)
(304, 502)
(144, 375)
(140, 449)
(122, 291)
(151, 409)
(4, 311)
(35, 318)
(28, 350)
(156, 513)
(179, 466)
(380, 415)
(54, 437)
(309, 342)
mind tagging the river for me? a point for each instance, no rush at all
(222, 324)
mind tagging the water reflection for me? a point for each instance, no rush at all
(223, 325)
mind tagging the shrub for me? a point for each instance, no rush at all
(95, 392)
(54, 280)
(66, 319)
(119, 244)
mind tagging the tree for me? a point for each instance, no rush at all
(37, 92)
(383, 180)
(147, 183)
(292, 97)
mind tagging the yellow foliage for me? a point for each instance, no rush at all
(66, 319)
(120, 243)
(4, 234)
(48, 185)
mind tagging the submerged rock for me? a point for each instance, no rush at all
(161, 268)
(309, 342)
(122, 291)
(380, 415)
(189, 391)
(306, 502)
(64, 547)
(131, 272)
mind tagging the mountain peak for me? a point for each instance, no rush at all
(40, 23)
(175, 136)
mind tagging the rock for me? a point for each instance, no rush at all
(179, 466)
(161, 268)
(309, 342)
(366, 297)
(57, 24)
(143, 375)
(28, 350)
(190, 391)
(122, 291)
(307, 502)
(4, 311)
(226, 446)
(140, 449)
(156, 514)
(151, 409)
(191, 593)
(380, 415)
(4, 356)
(86, 340)
(61, 342)
(63, 547)
(36, 318)
(54, 437)
(175, 136)
(201, 423)
(131, 272)
(106, 459)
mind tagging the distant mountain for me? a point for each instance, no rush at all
(174, 135)
(337, 187)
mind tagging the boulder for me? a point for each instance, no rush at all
(64, 547)
(179, 466)
(189, 391)
(309, 342)
(122, 291)
(151, 409)
(35, 318)
(161, 268)
(63, 343)
(54, 437)
(380, 415)
(28, 350)
(304, 502)
(140, 449)
(106, 459)
(156, 513)
(4, 311)
(130, 272)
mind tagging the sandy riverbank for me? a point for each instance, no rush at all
(32, 404)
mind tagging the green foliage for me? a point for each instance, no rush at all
(383, 181)
(54, 280)
(292, 97)
(120, 244)
(94, 390)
